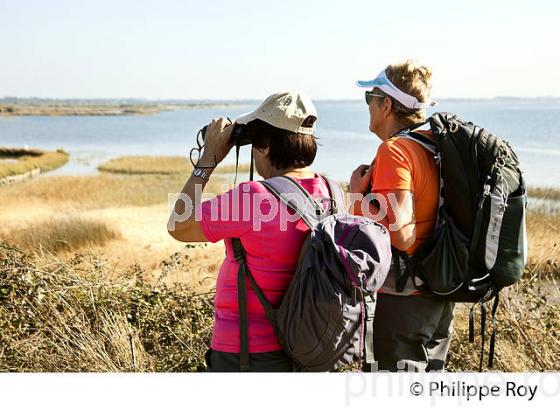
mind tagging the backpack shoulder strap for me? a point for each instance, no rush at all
(337, 196)
(369, 358)
(431, 146)
(243, 274)
(296, 198)
(420, 139)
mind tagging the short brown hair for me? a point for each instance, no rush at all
(414, 79)
(287, 149)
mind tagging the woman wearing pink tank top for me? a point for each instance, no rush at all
(281, 131)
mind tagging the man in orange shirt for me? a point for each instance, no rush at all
(411, 330)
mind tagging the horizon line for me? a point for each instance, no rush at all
(248, 100)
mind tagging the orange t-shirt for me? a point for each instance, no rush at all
(404, 164)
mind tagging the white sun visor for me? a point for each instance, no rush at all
(385, 85)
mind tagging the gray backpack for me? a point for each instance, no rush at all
(325, 319)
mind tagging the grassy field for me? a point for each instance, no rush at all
(28, 160)
(160, 165)
(545, 193)
(61, 233)
(91, 281)
(101, 191)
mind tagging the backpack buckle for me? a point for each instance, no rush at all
(370, 307)
(331, 207)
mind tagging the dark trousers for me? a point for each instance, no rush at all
(411, 333)
(277, 361)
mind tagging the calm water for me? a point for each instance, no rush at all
(530, 126)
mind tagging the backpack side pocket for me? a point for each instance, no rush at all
(511, 255)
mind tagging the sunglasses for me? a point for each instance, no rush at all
(370, 95)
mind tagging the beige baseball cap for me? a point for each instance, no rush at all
(288, 110)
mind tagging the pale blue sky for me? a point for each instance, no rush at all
(248, 49)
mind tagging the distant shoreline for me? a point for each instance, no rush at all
(15, 109)
(20, 107)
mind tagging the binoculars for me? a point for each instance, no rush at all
(240, 135)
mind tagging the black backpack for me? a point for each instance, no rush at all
(479, 243)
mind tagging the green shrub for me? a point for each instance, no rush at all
(61, 316)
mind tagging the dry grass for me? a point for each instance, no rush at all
(147, 165)
(91, 311)
(29, 160)
(544, 240)
(545, 193)
(528, 328)
(135, 206)
(230, 168)
(99, 191)
(160, 165)
(75, 314)
(60, 234)
(59, 316)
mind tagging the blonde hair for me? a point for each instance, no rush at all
(413, 78)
